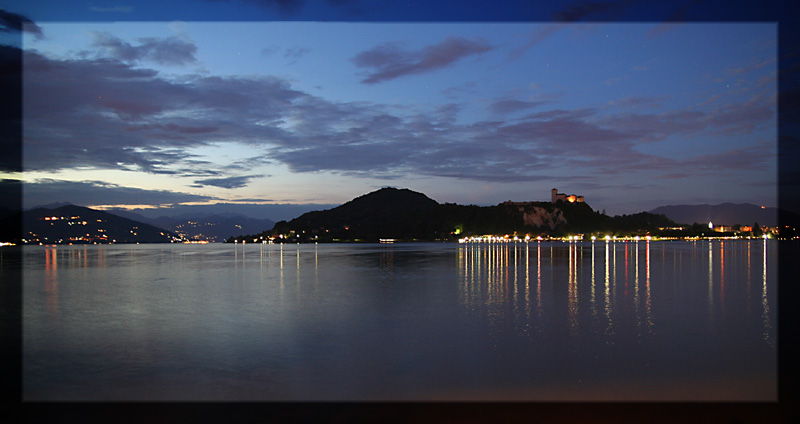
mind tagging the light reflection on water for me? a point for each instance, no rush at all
(636, 257)
(402, 321)
(489, 271)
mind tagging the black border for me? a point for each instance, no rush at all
(781, 411)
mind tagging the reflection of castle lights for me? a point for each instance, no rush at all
(539, 279)
(490, 278)
(594, 306)
(636, 286)
(573, 288)
(722, 274)
(610, 326)
(647, 306)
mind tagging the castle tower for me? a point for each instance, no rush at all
(553, 195)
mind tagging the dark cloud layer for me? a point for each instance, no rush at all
(275, 212)
(390, 61)
(512, 105)
(164, 51)
(85, 193)
(108, 114)
(538, 35)
(10, 21)
(227, 182)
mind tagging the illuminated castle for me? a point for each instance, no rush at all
(555, 196)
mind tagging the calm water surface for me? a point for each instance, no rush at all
(538, 321)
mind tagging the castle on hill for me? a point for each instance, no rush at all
(555, 196)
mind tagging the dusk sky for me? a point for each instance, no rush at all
(176, 109)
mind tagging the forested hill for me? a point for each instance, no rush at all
(386, 213)
(391, 213)
(77, 224)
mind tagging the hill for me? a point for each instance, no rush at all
(77, 224)
(391, 213)
(385, 213)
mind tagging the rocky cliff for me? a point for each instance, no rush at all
(541, 217)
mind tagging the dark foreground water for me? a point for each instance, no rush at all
(539, 321)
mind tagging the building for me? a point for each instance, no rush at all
(555, 196)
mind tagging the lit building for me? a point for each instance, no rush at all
(555, 196)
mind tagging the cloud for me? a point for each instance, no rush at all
(750, 68)
(46, 191)
(13, 22)
(269, 51)
(511, 106)
(171, 51)
(226, 182)
(636, 101)
(171, 127)
(539, 34)
(674, 20)
(295, 53)
(390, 61)
(748, 158)
(257, 210)
(675, 175)
(105, 114)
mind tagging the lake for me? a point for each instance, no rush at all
(538, 321)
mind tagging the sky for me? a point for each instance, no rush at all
(173, 110)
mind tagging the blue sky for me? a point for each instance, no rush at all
(631, 115)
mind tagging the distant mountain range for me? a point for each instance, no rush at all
(77, 224)
(214, 228)
(274, 212)
(385, 213)
(725, 214)
(66, 223)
